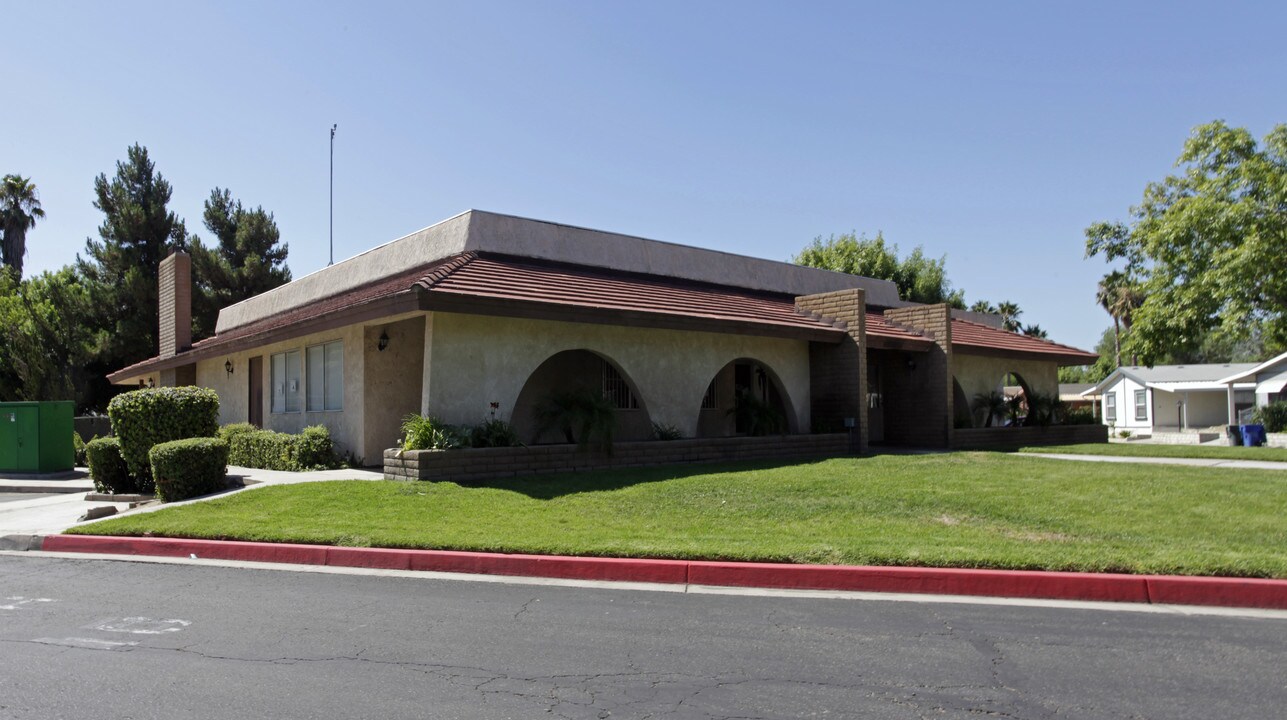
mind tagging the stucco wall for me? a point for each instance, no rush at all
(476, 360)
(984, 373)
(392, 379)
(234, 391)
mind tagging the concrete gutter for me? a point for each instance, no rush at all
(1157, 589)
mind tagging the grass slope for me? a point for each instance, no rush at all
(960, 509)
(1175, 451)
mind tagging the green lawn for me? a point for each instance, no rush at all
(1136, 449)
(960, 509)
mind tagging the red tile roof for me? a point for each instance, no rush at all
(469, 276)
(524, 280)
(967, 334)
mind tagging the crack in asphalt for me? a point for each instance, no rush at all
(525, 607)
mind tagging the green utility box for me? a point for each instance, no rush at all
(36, 437)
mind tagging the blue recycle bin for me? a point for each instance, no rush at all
(1252, 435)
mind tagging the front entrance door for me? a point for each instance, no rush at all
(256, 400)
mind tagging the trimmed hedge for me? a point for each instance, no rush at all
(147, 417)
(188, 468)
(107, 467)
(310, 450)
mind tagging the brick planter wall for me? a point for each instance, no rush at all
(487, 463)
(1010, 438)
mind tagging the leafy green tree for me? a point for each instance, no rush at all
(137, 232)
(1207, 244)
(19, 210)
(1102, 367)
(919, 278)
(45, 336)
(248, 259)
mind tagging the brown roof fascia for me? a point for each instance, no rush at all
(405, 301)
(881, 342)
(440, 301)
(1060, 358)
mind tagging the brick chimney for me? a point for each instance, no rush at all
(174, 295)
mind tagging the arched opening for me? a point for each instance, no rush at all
(587, 373)
(1005, 405)
(745, 398)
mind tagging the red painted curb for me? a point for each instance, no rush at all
(1171, 589)
(553, 566)
(1225, 592)
(939, 581)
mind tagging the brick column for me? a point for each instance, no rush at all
(174, 296)
(838, 373)
(925, 414)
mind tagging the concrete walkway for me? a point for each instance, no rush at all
(1191, 462)
(51, 515)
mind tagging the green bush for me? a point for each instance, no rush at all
(664, 431)
(583, 416)
(189, 468)
(78, 447)
(268, 450)
(314, 450)
(1080, 416)
(425, 432)
(151, 416)
(493, 432)
(107, 467)
(1273, 416)
(226, 432)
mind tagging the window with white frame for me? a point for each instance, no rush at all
(325, 374)
(1110, 407)
(286, 378)
(1141, 405)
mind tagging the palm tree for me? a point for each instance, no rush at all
(983, 306)
(1119, 297)
(991, 404)
(19, 209)
(1035, 331)
(1009, 313)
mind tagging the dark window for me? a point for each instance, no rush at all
(710, 401)
(616, 389)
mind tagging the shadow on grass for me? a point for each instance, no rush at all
(550, 487)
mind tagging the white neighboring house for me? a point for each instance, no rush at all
(1174, 398)
(1268, 380)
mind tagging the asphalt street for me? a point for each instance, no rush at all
(104, 639)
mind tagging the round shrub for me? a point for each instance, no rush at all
(107, 467)
(314, 450)
(227, 432)
(151, 416)
(188, 468)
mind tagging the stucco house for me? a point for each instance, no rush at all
(485, 308)
(1169, 399)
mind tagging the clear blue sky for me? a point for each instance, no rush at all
(987, 132)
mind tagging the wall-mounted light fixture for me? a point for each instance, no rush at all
(911, 364)
(384, 341)
(227, 366)
(151, 383)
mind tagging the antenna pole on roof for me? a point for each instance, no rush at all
(332, 261)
